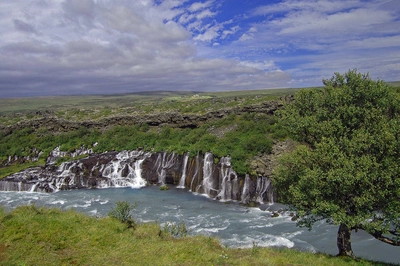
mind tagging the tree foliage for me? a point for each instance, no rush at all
(347, 170)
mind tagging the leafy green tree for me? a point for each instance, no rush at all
(347, 169)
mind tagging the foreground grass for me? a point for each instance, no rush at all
(30, 235)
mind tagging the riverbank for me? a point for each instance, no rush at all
(33, 235)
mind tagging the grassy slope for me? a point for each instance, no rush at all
(40, 236)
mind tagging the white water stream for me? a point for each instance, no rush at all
(233, 224)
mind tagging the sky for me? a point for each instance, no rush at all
(74, 47)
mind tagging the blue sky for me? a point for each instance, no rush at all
(61, 47)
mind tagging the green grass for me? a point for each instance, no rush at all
(32, 235)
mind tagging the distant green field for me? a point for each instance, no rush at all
(58, 103)
(394, 83)
(139, 100)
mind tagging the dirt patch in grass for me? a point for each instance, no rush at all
(3, 250)
(221, 131)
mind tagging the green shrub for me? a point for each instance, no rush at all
(175, 230)
(122, 212)
(164, 187)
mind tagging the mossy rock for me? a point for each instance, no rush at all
(164, 187)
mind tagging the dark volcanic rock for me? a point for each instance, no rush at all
(171, 118)
(199, 174)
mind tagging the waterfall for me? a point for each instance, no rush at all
(207, 183)
(122, 172)
(195, 175)
(139, 181)
(228, 186)
(66, 179)
(184, 168)
(33, 188)
(113, 174)
(164, 162)
(262, 186)
(15, 186)
(138, 168)
(235, 188)
(246, 190)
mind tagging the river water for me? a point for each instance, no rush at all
(233, 224)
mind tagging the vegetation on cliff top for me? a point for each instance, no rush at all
(239, 136)
(33, 235)
(252, 134)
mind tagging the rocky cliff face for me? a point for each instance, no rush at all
(201, 174)
(175, 119)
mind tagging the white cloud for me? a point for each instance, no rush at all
(210, 33)
(197, 6)
(313, 39)
(264, 65)
(99, 46)
(205, 14)
(374, 42)
(324, 6)
(71, 46)
(231, 31)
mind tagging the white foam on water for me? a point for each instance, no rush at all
(264, 240)
(85, 206)
(201, 194)
(173, 207)
(213, 230)
(292, 235)
(277, 242)
(62, 202)
(261, 226)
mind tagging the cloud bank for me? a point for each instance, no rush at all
(56, 47)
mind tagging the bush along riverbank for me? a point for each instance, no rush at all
(32, 235)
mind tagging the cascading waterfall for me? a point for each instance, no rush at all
(120, 173)
(184, 169)
(137, 169)
(164, 161)
(235, 188)
(112, 172)
(228, 186)
(66, 177)
(195, 175)
(262, 186)
(139, 181)
(246, 190)
(208, 183)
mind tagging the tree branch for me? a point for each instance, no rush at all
(385, 239)
(395, 233)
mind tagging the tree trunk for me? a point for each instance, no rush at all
(343, 241)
